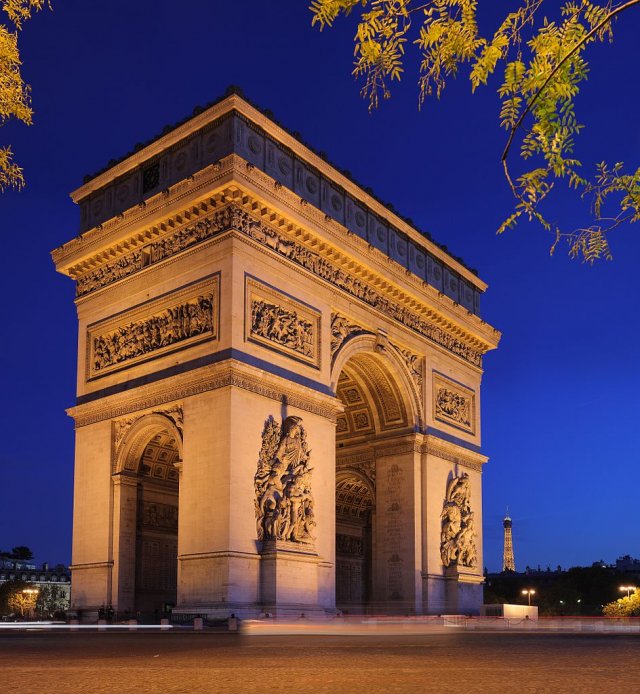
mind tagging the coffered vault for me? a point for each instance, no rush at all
(278, 386)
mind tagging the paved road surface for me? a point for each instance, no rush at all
(207, 662)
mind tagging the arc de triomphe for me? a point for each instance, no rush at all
(278, 394)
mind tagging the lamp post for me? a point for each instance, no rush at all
(628, 589)
(32, 593)
(529, 592)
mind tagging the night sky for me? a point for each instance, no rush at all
(561, 395)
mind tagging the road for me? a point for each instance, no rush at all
(89, 662)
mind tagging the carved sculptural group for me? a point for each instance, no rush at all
(283, 327)
(453, 406)
(284, 503)
(457, 539)
(189, 319)
(233, 217)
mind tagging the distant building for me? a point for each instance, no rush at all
(628, 565)
(40, 576)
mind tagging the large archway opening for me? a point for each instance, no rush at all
(377, 408)
(146, 490)
(354, 549)
(156, 566)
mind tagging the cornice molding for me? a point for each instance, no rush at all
(453, 453)
(92, 565)
(411, 443)
(239, 105)
(125, 258)
(201, 380)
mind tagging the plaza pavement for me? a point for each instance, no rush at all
(442, 661)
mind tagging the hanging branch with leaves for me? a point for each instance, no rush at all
(544, 65)
(15, 98)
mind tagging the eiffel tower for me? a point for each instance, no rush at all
(508, 562)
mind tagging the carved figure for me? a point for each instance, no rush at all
(457, 536)
(192, 318)
(283, 327)
(341, 330)
(453, 406)
(414, 364)
(284, 503)
(237, 218)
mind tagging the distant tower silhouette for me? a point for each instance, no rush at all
(508, 562)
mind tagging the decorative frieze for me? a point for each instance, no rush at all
(342, 329)
(179, 319)
(111, 272)
(353, 285)
(234, 217)
(453, 403)
(415, 366)
(284, 502)
(158, 517)
(176, 242)
(280, 322)
(349, 544)
(458, 537)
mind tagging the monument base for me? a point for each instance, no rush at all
(289, 579)
(464, 592)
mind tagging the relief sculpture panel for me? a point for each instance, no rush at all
(177, 320)
(458, 536)
(159, 517)
(233, 217)
(453, 404)
(279, 322)
(284, 502)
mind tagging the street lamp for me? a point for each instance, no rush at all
(628, 589)
(30, 594)
(529, 592)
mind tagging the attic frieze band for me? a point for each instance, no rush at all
(233, 217)
(233, 133)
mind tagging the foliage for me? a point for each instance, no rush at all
(7, 589)
(15, 97)
(624, 607)
(22, 602)
(543, 64)
(14, 600)
(51, 600)
(21, 553)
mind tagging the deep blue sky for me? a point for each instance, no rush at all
(561, 395)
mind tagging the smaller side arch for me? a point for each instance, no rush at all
(137, 437)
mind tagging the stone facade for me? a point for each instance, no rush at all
(278, 396)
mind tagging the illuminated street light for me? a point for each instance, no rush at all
(529, 592)
(628, 589)
(29, 600)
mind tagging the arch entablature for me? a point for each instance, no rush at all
(379, 361)
(151, 433)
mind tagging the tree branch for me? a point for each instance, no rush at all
(583, 40)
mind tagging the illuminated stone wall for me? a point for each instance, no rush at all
(281, 351)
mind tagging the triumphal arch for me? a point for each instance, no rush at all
(278, 390)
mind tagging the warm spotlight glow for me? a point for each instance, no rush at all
(628, 589)
(529, 592)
